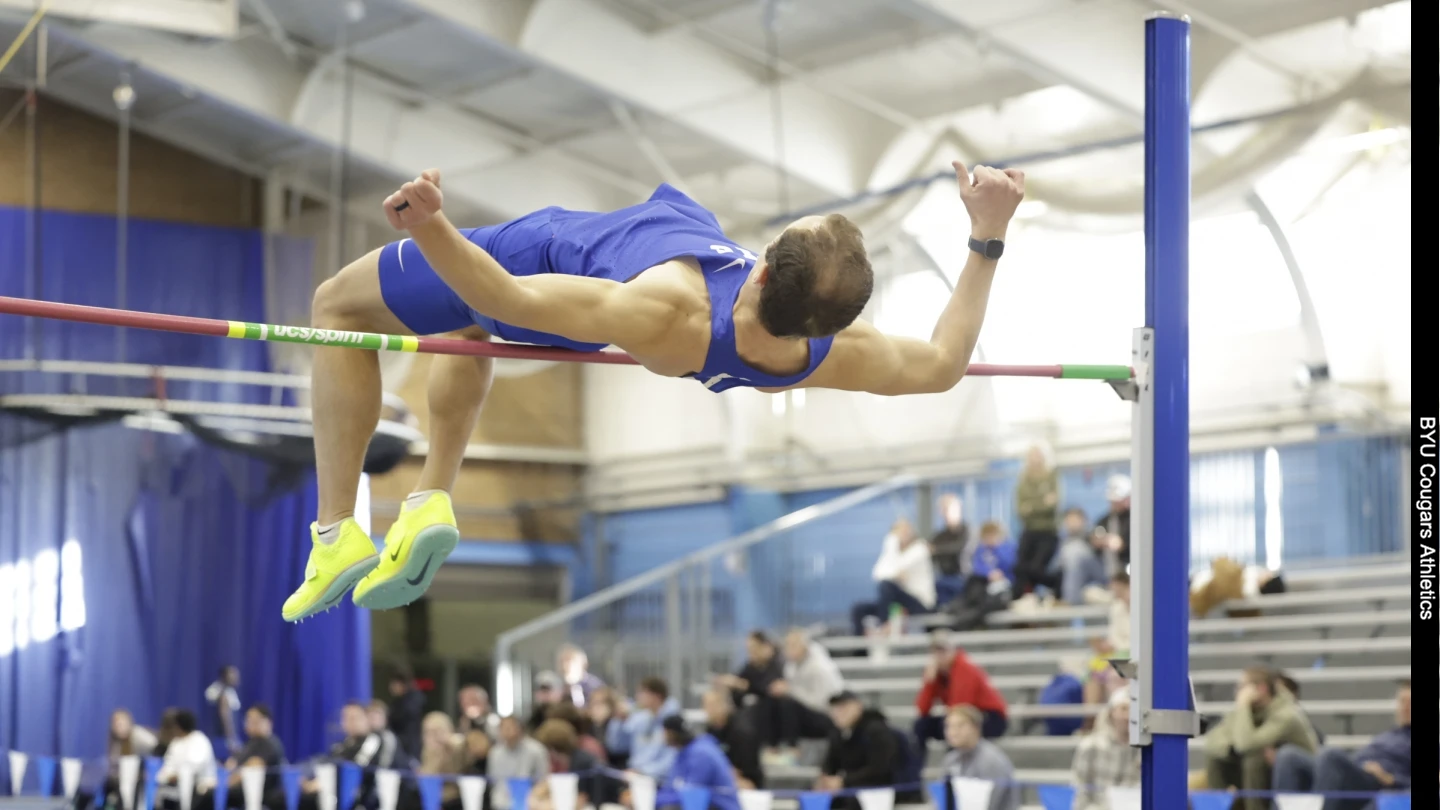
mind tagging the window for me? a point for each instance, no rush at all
(41, 598)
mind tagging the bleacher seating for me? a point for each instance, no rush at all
(1344, 635)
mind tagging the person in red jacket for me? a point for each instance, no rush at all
(952, 679)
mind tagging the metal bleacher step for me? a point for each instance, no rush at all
(1253, 649)
(1199, 627)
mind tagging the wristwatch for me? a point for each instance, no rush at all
(991, 249)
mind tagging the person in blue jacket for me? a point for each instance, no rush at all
(699, 762)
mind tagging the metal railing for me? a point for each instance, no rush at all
(683, 620)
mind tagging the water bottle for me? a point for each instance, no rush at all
(897, 621)
(879, 647)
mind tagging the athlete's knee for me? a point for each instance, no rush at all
(342, 300)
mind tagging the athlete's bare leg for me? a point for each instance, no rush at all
(345, 383)
(455, 392)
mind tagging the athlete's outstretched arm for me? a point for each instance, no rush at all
(589, 310)
(863, 359)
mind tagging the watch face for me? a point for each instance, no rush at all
(994, 248)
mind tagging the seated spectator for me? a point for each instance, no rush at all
(1290, 685)
(187, 749)
(863, 750)
(1104, 758)
(603, 711)
(735, 737)
(579, 683)
(1384, 764)
(384, 750)
(974, 757)
(549, 690)
(952, 679)
(1263, 717)
(950, 552)
(699, 762)
(1036, 495)
(803, 695)
(1080, 561)
(640, 736)
(1103, 678)
(514, 756)
(360, 745)
(566, 756)
(906, 579)
(988, 588)
(475, 712)
(584, 739)
(125, 739)
(262, 749)
(750, 687)
(477, 752)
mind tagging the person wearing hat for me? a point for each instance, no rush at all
(974, 757)
(699, 762)
(863, 752)
(549, 690)
(1114, 525)
(952, 679)
(1104, 758)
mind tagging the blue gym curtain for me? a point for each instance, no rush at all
(186, 552)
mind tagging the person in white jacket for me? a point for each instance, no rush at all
(189, 750)
(904, 575)
(803, 695)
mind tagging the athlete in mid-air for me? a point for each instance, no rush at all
(659, 280)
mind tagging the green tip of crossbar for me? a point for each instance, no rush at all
(1095, 372)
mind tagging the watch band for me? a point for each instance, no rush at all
(991, 249)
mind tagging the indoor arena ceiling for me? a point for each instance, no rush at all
(590, 103)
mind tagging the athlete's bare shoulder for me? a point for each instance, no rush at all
(678, 287)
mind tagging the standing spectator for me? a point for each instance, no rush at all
(474, 711)
(640, 735)
(811, 679)
(1080, 563)
(905, 578)
(752, 684)
(515, 756)
(952, 679)
(407, 711)
(187, 749)
(1114, 526)
(1264, 717)
(950, 551)
(1036, 496)
(1104, 759)
(699, 762)
(1384, 764)
(580, 683)
(974, 757)
(224, 703)
(735, 736)
(863, 752)
(585, 739)
(549, 690)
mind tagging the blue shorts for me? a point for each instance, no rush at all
(427, 306)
